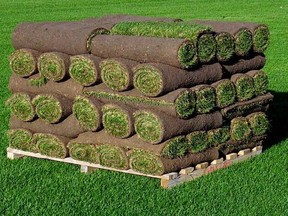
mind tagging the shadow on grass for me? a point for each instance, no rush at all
(278, 113)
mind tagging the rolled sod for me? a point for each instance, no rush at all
(51, 145)
(205, 98)
(218, 136)
(244, 86)
(179, 103)
(88, 113)
(225, 93)
(199, 35)
(243, 37)
(261, 36)
(225, 46)
(118, 120)
(117, 74)
(113, 156)
(198, 141)
(155, 126)
(84, 69)
(255, 62)
(261, 81)
(52, 108)
(259, 123)
(21, 106)
(260, 103)
(23, 62)
(68, 88)
(156, 79)
(240, 129)
(38, 81)
(83, 152)
(21, 139)
(179, 53)
(176, 147)
(54, 65)
(72, 38)
(69, 127)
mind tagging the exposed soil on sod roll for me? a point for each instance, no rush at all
(23, 62)
(21, 106)
(205, 98)
(52, 108)
(68, 128)
(242, 35)
(84, 69)
(117, 74)
(244, 65)
(72, 38)
(51, 145)
(244, 86)
(68, 88)
(155, 126)
(260, 103)
(21, 139)
(225, 93)
(118, 120)
(179, 103)
(261, 81)
(156, 79)
(179, 53)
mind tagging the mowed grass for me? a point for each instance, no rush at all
(256, 187)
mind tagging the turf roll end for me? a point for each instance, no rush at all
(261, 82)
(84, 152)
(198, 141)
(260, 38)
(21, 139)
(117, 121)
(21, 106)
(87, 113)
(205, 98)
(185, 104)
(239, 129)
(50, 145)
(113, 156)
(225, 93)
(187, 55)
(83, 70)
(225, 46)
(148, 126)
(259, 123)
(243, 42)
(146, 162)
(206, 48)
(244, 86)
(218, 136)
(23, 62)
(176, 147)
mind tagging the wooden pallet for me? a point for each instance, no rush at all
(168, 180)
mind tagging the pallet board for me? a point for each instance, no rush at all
(167, 180)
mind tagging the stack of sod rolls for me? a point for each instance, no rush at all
(154, 95)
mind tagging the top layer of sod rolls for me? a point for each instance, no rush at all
(205, 43)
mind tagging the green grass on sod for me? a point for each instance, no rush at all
(256, 187)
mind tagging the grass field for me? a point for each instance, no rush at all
(256, 187)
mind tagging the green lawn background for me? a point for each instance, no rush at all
(256, 187)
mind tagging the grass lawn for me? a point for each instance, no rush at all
(256, 187)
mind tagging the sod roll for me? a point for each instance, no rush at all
(179, 53)
(199, 35)
(118, 120)
(261, 36)
(68, 127)
(244, 86)
(225, 46)
(156, 79)
(255, 62)
(259, 123)
(88, 113)
(68, 88)
(240, 129)
(23, 62)
(225, 93)
(83, 152)
(260, 103)
(117, 74)
(261, 81)
(54, 65)
(52, 108)
(198, 141)
(84, 69)
(155, 126)
(218, 136)
(179, 103)
(21, 139)
(72, 38)
(243, 38)
(205, 98)
(21, 106)
(51, 145)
